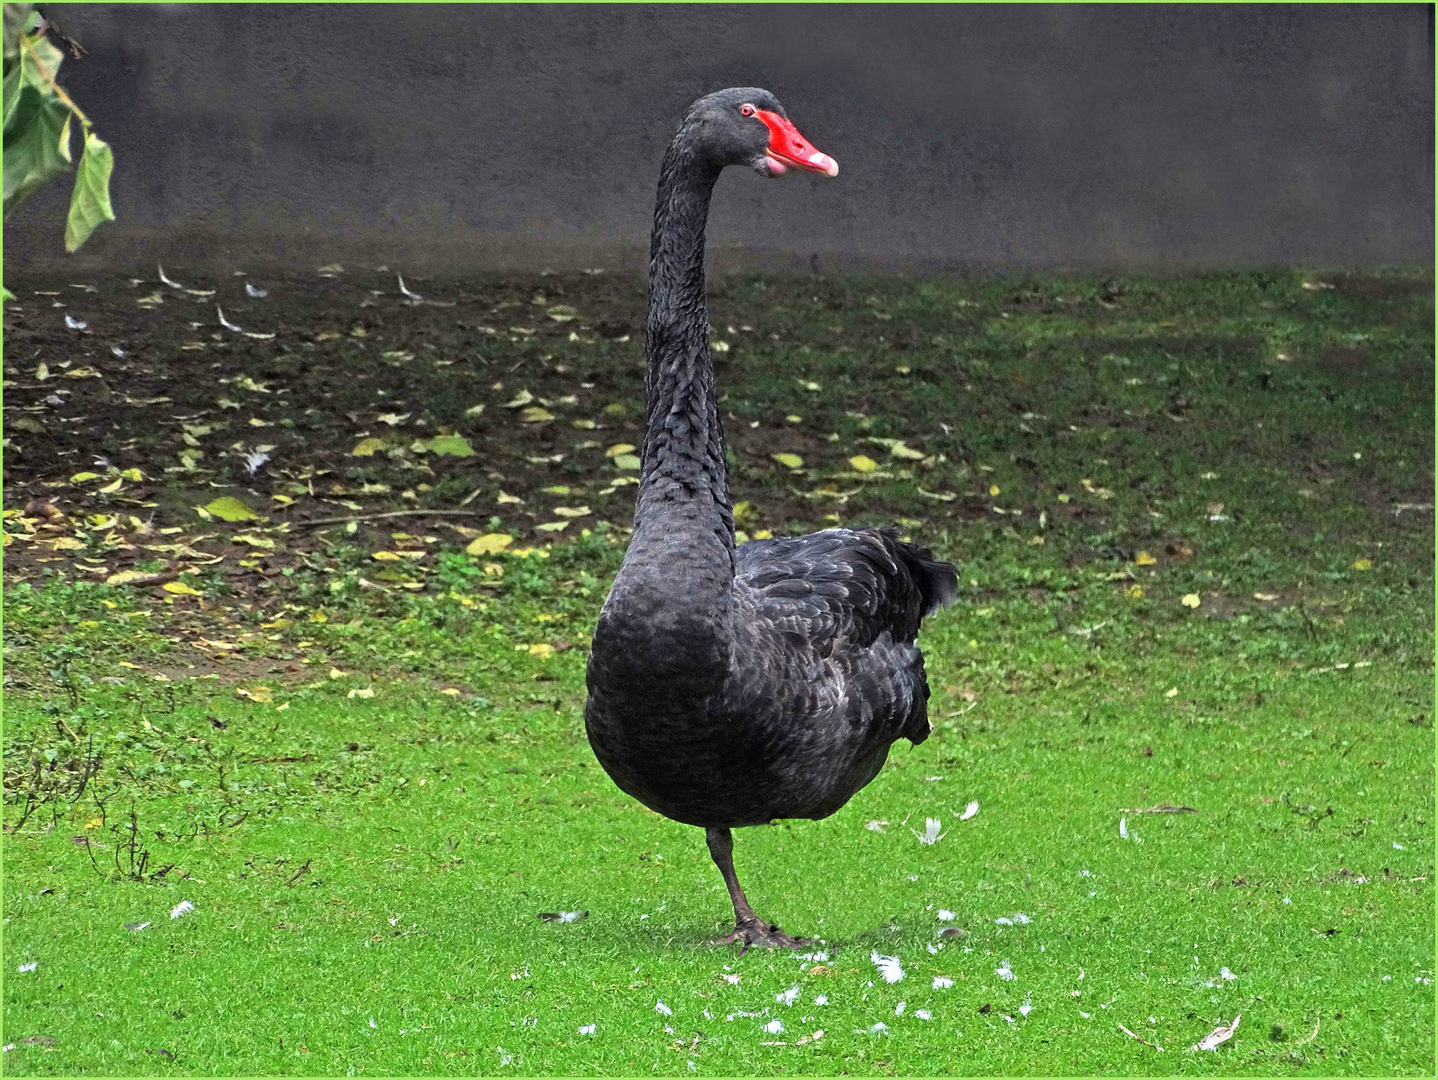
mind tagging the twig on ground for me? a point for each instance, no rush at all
(1317, 1023)
(391, 514)
(1140, 1038)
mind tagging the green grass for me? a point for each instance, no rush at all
(367, 871)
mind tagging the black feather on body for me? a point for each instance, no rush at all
(731, 686)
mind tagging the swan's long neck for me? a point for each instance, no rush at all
(683, 455)
(666, 634)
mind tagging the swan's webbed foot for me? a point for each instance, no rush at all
(756, 932)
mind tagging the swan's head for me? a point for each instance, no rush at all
(747, 126)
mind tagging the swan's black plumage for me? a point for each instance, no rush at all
(732, 686)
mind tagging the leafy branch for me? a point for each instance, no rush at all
(38, 115)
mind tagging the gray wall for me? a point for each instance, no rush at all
(984, 136)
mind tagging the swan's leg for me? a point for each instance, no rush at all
(748, 927)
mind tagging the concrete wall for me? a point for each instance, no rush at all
(983, 136)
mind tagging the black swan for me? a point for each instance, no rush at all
(732, 686)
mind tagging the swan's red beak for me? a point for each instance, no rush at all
(787, 148)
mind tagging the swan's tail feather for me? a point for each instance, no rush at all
(937, 581)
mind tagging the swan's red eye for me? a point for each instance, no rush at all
(746, 110)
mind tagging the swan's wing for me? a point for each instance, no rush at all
(824, 640)
(849, 583)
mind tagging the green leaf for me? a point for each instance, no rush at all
(32, 146)
(453, 445)
(19, 19)
(792, 461)
(229, 508)
(11, 93)
(90, 202)
(41, 53)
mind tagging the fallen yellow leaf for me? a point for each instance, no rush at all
(619, 448)
(1363, 564)
(1143, 558)
(367, 447)
(1191, 600)
(542, 650)
(521, 399)
(862, 463)
(260, 694)
(792, 461)
(489, 544)
(179, 588)
(229, 508)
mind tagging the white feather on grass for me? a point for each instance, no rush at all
(931, 833)
(1218, 1036)
(889, 967)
